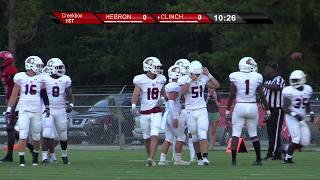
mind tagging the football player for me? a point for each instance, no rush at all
(244, 85)
(58, 86)
(149, 86)
(184, 73)
(297, 107)
(31, 88)
(175, 126)
(196, 107)
(7, 72)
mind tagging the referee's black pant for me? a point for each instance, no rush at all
(274, 126)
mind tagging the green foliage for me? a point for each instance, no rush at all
(112, 54)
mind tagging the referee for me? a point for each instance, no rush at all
(273, 93)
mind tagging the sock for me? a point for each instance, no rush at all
(191, 149)
(64, 153)
(205, 155)
(256, 145)
(53, 156)
(35, 156)
(177, 157)
(44, 155)
(21, 156)
(163, 157)
(288, 157)
(234, 146)
(291, 148)
(199, 156)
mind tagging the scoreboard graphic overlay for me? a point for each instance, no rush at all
(160, 18)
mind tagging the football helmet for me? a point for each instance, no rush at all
(185, 64)
(174, 72)
(297, 78)
(247, 64)
(153, 65)
(6, 58)
(56, 66)
(195, 67)
(34, 63)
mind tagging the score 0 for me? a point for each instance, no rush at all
(69, 21)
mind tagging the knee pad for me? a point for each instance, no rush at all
(48, 133)
(202, 134)
(23, 134)
(63, 135)
(36, 136)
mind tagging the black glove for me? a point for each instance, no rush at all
(9, 117)
(47, 112)
(298, 117)
(69, 107)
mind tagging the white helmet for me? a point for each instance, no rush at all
(153, 65)
(297, 78)
(247, 64)
(34, 63)
(195, 67)
(46, 70)
(255, 67)
(56, 66)
(174, 72)
(185, 64)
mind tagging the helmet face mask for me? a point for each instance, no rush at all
(6, 58)
(297, 79)
(56, 67)
(184, 64)
(152, 65)
(34, 63)
(174, 72)
(196, 68)
(247, 64)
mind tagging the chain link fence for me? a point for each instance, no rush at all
(105, 119)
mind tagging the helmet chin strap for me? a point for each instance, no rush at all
(54, 76)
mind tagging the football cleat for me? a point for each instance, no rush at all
(151, 163)
(257, 163)
(200, 162)
(45, 161)
(65, 160)
(205, 161)
(181, 163)
(288, 161)
(22, 165)
(163, 163)
(35, 164)
(234, 162)
(6, 159)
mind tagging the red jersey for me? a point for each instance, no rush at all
(6, 76)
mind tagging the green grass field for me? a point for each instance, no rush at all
(92, 165)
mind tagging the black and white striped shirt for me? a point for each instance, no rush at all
(274, 97)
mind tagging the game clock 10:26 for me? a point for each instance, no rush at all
(225, 18)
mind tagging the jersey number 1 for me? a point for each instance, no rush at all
(247, 86)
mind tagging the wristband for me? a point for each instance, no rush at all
(189, 80)
(311, 113)
(133, 106)
(9, 109)
(71, 104)
(293, 114)
(210, 76)
(227, 112)
(268, 112)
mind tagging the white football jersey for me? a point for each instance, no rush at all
(194, 98)
(247, 84)
(56, 90)
(150, 90)
(30, 88)
(299, 99)
(174, 87)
